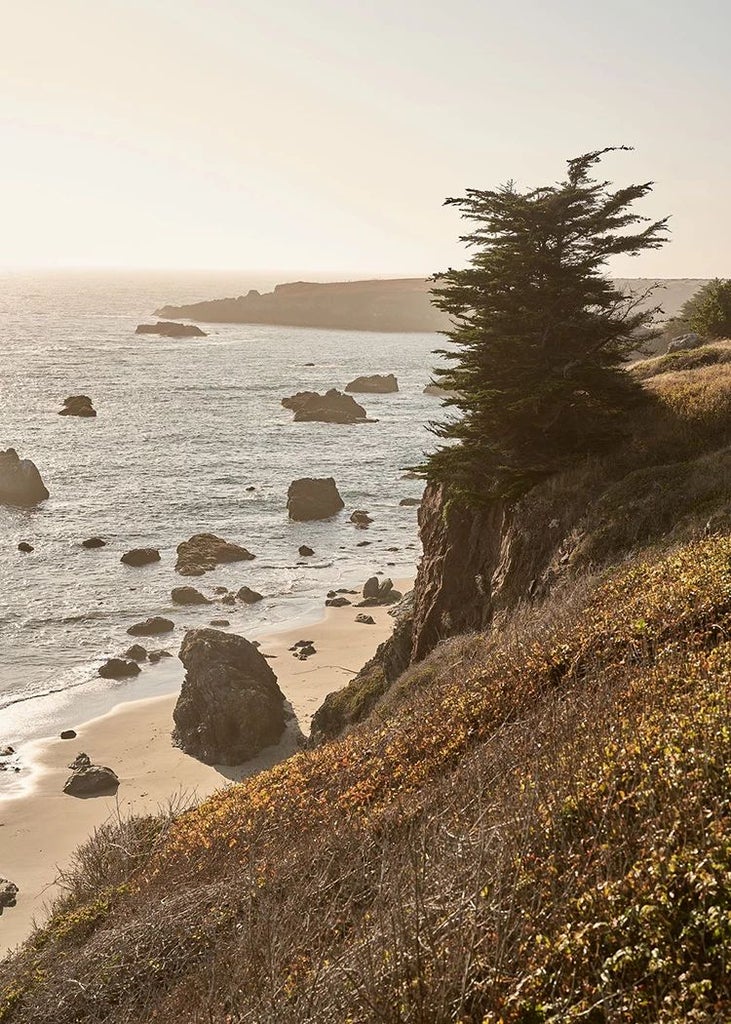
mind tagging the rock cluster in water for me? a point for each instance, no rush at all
(374, 384)
(77, 405)
(332, 407)
(204, 551)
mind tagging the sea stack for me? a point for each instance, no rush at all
(20, 481)
(310, 498)
(230, 706)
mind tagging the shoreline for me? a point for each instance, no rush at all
(40, 827)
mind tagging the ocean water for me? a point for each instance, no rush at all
(183, 428)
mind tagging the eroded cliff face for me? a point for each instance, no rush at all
(479, 562)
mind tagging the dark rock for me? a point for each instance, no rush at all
(363, 543)
(377, 592)
(228, 599)
(410, 502)
(188, 595)
(305, 552)
(337, 602)
(166, 329)
(25, 547)
(77, 405)
(220, 590)
(91, 780)
(219, 622)
(204, 551)
(155, 656)
(295, 402)
(68, 734)
(136, 652)
(81, 760)
(368, 620)
(306, 652)
(20, 481)
(249, 596)
(7, 751)
(152, 626)
(303, 643)
(309, 499)
(93, 542)
(8, 893)
(361, 518)
(375, 384)
(118, 668)
(140, 556)
(251, 488)
(230, 706)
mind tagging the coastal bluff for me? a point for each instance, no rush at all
(380, 305)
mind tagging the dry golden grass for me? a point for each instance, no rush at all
(537, 828)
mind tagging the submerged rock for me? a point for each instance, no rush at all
(230, 706)
(375, 384)
(168, 329)
(140, 556)
(204, 551)
(305, 551)
(25, 547)
(311, 498)
(154, 656)
(410, 502)
(93, 542)
(188, 595)
(152, 627)
(136, 652)
(77, 405)
(118, 668)
(20, 481)
(361, 518)
(249, 596)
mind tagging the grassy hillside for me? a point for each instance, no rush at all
(533, 825)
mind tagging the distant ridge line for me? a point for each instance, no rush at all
(375, 304)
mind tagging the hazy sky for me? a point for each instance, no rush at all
(323, 135)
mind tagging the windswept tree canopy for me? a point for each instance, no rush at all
(540, 332)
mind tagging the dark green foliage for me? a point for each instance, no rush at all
(541, 333)
(708, 312)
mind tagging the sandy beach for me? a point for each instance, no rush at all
(40, 829)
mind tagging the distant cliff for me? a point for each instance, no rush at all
(401, 304)
(382, 305)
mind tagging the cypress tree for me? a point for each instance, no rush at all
(540, 332)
